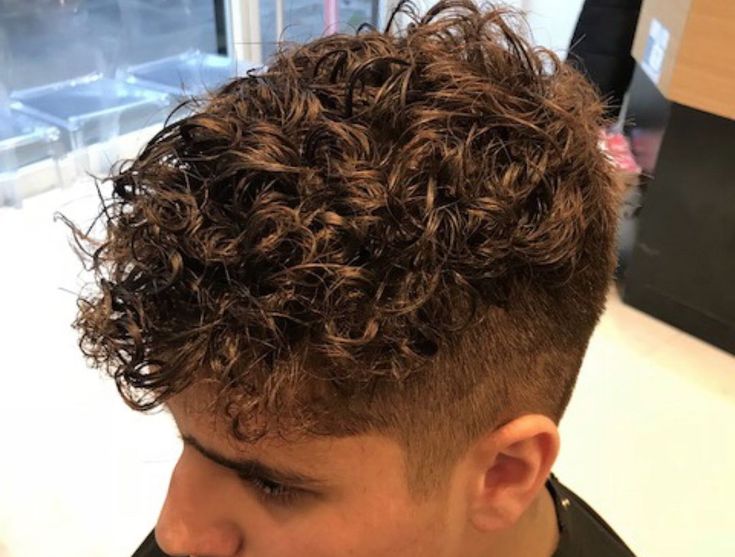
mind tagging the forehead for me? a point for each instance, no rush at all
(365, 454)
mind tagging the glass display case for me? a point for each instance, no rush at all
(23, 142)
(90, 72)
(192, 73)
(63, 64)
(92, 109)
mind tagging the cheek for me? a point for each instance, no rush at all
(379, 530)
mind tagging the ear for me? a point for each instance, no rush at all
(509, 468)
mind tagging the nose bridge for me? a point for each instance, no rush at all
(191, 521)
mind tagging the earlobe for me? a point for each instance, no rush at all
(512, 466)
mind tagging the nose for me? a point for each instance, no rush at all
(191, 521)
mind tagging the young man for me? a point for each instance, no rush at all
(363, 282)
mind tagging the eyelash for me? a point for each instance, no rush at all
(272, 491)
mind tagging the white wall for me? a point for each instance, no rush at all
(552, 21)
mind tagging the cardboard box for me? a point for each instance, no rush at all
(687, 47)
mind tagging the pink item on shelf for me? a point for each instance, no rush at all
(616, 146)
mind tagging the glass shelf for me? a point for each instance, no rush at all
(92, 109)
(24, 141)
(189, 74)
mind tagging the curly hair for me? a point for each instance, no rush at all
(408, 232)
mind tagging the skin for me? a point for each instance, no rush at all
(357, 502)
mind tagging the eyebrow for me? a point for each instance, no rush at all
(252, 468)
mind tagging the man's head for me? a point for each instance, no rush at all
(376, 264)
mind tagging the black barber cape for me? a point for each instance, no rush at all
(582, 533)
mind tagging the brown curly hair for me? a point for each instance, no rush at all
(401, 232)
